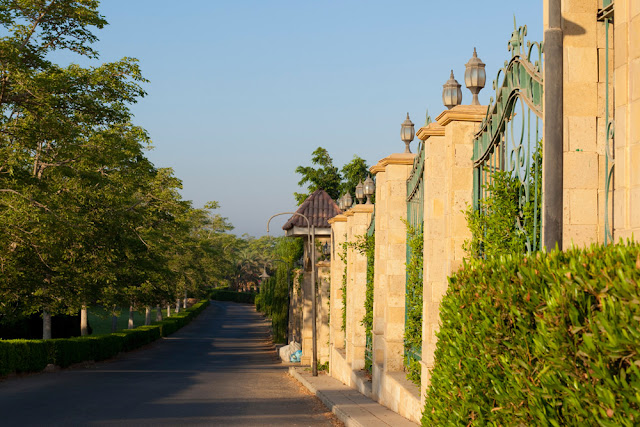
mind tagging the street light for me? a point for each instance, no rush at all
(312, 250)
(407, 132)
(341, 202)
(475, 76)
(451, 93)
(369, 189)
(360, 192)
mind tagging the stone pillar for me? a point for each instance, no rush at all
(358, 220)
(338, 237)
(390, 273)
(448, 192)
(584, 122)
(627, 119)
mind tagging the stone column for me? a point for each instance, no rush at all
(390, 273)
(448, 179)
(358, 220)
(324, 283)
(627, 119)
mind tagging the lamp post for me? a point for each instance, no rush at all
(451, 93)
(312, 250)
(475, 76)
(369, 189)
(347, 201)
(407, 132)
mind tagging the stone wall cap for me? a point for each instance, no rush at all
(393, 159)
(462, 113)
(362, 208)
(432, 129)
(337, 218)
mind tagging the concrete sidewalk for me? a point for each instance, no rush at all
(353, 408)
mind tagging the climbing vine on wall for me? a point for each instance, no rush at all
(413, 322)
(343, 257)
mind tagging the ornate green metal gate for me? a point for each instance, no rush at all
(510, 136)
(413, 294)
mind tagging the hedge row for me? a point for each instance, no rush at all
(35, 355)
(224, 294)
(550, 339)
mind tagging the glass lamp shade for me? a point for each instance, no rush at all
(348, 201)
(475, 76)
(360, 192)
(325, 249)
(369, 187)
(407, 130)
(451, 93)
(341, 202)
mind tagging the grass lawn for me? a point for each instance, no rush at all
(100, 319)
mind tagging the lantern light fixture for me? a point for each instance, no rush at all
(369, 189)
(407, 132)
(475, 76)
(451, 93)
(360, 192)
(348, 201)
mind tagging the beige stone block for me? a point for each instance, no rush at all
(634, 123)
(602, 99)
(580, 29)
(462, 178)
(464, 154)
(621, 127)
(581, 99)
(397, 236)
(583, 205)
(580, 170)
(398, 172)
(579, 235)
(635, 169)
(437, 208)
(580, 6)
(582, 64)
(635, 7)
(582, 133)
(396, 267)
(634, 82)
(397, 251)
(634, 36)
(634, 210)
(397, 286)
(621, 52)
(461, 200)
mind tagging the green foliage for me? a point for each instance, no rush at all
(546, 339)
(413, 322)
(323, 366)
(500, 226)
(352, 173)
(343, 257)
(273, 299)
(34, 355)
(325, 177)
(366, 246)
(224, 294)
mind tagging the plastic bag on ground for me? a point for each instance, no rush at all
(287, 350)
(295, 357)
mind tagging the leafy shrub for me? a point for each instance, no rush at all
(413, 321)
(224, 294)
(34, 355)
(548, 339)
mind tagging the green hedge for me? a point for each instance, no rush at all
(224, 294)
(34, 355)
(550, 339)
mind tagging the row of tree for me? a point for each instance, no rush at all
(85, 217)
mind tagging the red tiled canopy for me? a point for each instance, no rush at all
(319, 208)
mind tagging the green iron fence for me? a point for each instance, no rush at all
(606, 15)
(510, 136)
(415, 219)
(368, 350)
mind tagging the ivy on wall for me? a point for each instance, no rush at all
(413, 306)
(343, 257)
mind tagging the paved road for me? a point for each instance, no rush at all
(219, 370)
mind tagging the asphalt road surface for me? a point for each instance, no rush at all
(220, 370)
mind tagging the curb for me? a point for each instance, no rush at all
(341, 414)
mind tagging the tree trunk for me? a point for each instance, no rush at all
(114, 322)
(84, 323)
(178, 305)
(168, 310)
(184, 304)
(130, 326)
(46, 324)
(158, 314)
(147, 316)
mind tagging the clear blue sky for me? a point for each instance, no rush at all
(241, 92)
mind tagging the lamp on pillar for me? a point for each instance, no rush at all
(369, 189)
(475, 76)
(451, 93)
(360, 192)
(341, 202)
(348, 201)
(407, 132)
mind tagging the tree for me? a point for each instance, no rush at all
(325, 177)
(352, 173)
